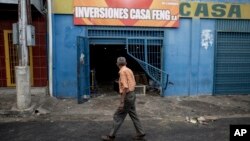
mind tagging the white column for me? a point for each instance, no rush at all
(23, 87)
(22, 71)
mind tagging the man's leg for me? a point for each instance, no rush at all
(118, 119)
(133, 115)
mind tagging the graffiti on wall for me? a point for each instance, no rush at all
(207, 38)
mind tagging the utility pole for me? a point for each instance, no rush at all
(23, 70)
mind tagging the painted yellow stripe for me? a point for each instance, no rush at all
(31, 66)
(7, 57)
(245, 10)
(62, 6)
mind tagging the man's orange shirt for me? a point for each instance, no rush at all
(126, 80)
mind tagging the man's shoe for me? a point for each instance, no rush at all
(108, 138)
(139, 137)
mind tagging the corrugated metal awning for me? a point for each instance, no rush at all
(37, 3)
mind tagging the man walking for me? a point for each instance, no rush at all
(127, 103)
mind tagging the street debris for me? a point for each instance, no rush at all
(201, 120)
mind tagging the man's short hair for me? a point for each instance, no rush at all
(121, 61)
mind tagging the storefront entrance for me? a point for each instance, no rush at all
(142, 47)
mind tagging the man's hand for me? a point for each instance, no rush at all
(121, 106)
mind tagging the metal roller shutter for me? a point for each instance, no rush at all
(232, 59)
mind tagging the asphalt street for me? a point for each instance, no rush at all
(157, 130)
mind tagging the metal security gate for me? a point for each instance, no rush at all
(148, 53)
(145, 45)
(232, 65)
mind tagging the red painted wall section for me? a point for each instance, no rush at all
(40, 70)
(40, 67)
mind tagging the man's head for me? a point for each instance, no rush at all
(121, 61)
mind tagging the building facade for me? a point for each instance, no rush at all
(201, 49)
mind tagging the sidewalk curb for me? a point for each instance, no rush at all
(16, 112)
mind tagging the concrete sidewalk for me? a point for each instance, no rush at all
(193, 109)
(8, 101)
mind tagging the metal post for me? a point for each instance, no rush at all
(22, 21)
(22, 71)
(49, 2)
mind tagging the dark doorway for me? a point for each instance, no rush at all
(103, 62)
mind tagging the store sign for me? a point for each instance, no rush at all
(153, 13)
(215, 10)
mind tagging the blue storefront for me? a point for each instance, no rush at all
(207, 54)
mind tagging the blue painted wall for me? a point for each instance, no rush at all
(64, 56)
(177, 53)
(206, 61)
(190, 66)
